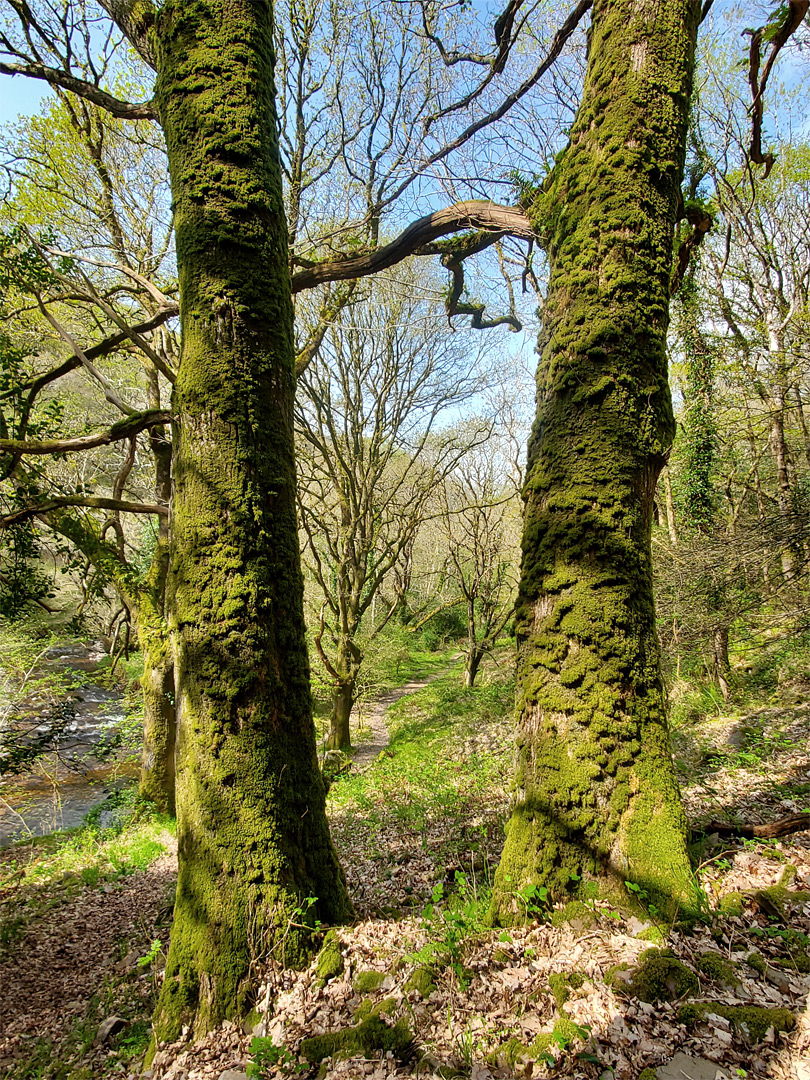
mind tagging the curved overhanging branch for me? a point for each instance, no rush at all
(93, 502)
(796, 11)
(472, 214)
(123, 110)
(125, 428)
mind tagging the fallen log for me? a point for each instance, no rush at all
(781, 827)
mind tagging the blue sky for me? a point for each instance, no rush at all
(20, 95)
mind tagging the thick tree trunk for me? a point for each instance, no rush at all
(596, 799)
(475, 654)
(474, 659)
(346, 668)
(252, 832)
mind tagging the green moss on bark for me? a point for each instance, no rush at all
(253, 839)
(596, 795)
(157, 779)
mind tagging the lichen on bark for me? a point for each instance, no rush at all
(596, 795)
(252, 832)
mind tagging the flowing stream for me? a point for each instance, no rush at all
(65, 785)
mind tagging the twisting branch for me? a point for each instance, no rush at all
(123, 110)
(701, 221)
(475, 214)
(453, 253)
(796, 11)
(131, 425)
(95, 502)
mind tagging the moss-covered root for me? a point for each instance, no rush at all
(330, 960)
(752, 1021)
(369, 1038)
(596, 794)
(661, 977)
(253, 839)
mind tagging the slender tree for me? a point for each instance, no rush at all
(373, 447)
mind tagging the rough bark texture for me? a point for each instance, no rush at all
(252, 830)
(597, 802)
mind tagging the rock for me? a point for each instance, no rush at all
(232, 1074)
(109, 1028)
(684, 1067)
(778, 979)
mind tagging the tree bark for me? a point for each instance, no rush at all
(157, 781)
(339, 737)
(252, 832)
(596, 800)
(474, 658)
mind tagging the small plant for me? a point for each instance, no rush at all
(266, 1056)
(452, 920)
(643, 898)
(151, 956)
(535, 900)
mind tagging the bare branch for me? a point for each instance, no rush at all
(93, 352)
(796, 11)
(134, 19)
(123, 110)
(96, 502)
(473, 214)
(131, 425)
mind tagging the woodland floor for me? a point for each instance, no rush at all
(419, 833)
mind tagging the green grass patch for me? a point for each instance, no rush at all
(449, 745)
(40, 873)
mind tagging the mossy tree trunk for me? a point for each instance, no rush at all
(157, 685)
(252, 832)
(597, 801)
(157, 681)
(346, 669)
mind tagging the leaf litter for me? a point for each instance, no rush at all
(490, 1010)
